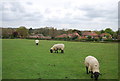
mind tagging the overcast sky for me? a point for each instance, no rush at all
(67, 14)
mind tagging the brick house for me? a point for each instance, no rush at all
(87, 34)
(68, 35)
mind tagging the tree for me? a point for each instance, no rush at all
(97, 32)
(22, 32)
(30, 31)
(7, 32)
(78, 31)
(102, 31)
(53, 32)
(69, 31)
(0, 33)
(15, 34)
(110, 31)
(118, 33)
(89, 37)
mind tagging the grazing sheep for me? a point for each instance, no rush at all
(36, 41)
(57, 47)
(92, 66)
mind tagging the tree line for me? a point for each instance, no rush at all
(23, 32)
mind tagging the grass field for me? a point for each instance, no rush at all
(22, 59)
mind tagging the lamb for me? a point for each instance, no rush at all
(92, 66)
(37, 41)
(57, 47)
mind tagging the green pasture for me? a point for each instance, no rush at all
(22, 59)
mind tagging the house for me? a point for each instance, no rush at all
(36, 36)
(62, 36)
(92, 34)
(82, 37)
(107, 35)
(39, 36)
(46, 37)
(73, 35)
(68, 35)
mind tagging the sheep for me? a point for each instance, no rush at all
(36, 41)
(92, 66)
(57, 47)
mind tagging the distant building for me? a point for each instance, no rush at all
(105, 35)
(92, 34)
(62, 36)
(68, 35)
(39, 36)
(73, 35)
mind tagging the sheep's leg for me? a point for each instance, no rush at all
(57, 51)
(87, 70)
(91, 74)
(62, 51)
(90, 71)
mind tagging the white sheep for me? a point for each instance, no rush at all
(92, 66)
(37, 41)
(57, 47)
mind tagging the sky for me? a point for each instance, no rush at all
(67, 14)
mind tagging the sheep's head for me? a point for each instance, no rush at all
(96, 75)
(51, 51)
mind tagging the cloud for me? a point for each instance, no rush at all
(99, 12)
(35, 16)
(89, 14)
(29, 3)
(15, 11)
(12, 11)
